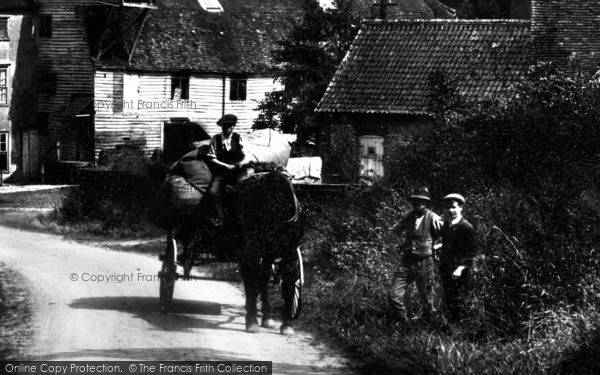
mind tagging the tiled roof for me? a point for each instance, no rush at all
(388, 65)
(17, 5)
(408, 9)
(562, 28)
(238, 40)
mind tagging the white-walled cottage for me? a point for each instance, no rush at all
(124, 73)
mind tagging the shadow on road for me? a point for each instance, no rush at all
(146, 305)
(147, 308)
(179, 317)
(181, 354)
(145, 354)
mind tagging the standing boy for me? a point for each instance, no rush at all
(460, 249)
(416, 233)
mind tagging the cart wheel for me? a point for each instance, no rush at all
(297, 302)
(168, 274)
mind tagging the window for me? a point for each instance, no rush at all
(180, 88)
(45, 25)
(4, 151)
(47, 83)
(131, 93)
(3, 85)
(117, 98)
(237, 89)
(3, 28)
(371, 158)
(3, 142)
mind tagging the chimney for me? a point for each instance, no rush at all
(383, 5)
(520, 9)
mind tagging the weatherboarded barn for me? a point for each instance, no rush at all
(123, 75)
(381, 87)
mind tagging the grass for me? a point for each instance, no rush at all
(46, 198)
(560, 341)
(351, 263)
(15, 322)
(345, 305)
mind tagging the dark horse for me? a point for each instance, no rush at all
(261, 226)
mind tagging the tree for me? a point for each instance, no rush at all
(443, 98)
(308, 59)
(343, 157)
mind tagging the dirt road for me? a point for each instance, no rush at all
(92, 303)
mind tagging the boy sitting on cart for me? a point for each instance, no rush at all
(224, 158)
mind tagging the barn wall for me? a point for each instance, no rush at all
(66, 55)
(136, 105)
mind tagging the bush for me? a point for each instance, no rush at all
(121, 200)
(527, 164)
(522, 315)
(342, 159)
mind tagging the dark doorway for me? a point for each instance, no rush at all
(179, 136)
(84, 138)
(4, 151)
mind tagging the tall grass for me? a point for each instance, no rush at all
(529, 312)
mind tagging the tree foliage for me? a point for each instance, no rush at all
(308, 58)
(528, 163)
(342, 159)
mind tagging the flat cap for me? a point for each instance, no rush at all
(227, 119)
(421, 194)
(455, 197)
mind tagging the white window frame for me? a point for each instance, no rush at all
(4, 27)
(177, 87)
(212, 6)
(371, 163)
(131, 93)
(4, 88)
(236, 81)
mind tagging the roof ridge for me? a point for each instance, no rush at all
(443, 20)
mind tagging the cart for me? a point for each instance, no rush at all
(168, 274)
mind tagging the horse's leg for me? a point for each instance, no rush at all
(249, 274)
(264, 277)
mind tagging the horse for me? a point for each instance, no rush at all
(262, 224)
(269, 213)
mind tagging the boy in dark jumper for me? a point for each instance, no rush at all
(460, 249)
